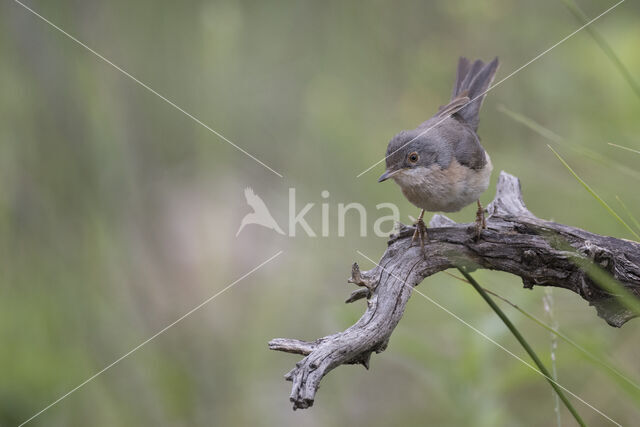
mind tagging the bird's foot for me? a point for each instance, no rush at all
(481, 222)
(420, 235)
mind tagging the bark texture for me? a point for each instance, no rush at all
(542, 253)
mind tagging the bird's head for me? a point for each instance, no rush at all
(411, 150)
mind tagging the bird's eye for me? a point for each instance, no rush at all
(413, 157)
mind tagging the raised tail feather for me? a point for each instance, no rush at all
(471, 82)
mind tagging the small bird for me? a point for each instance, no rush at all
(440, 166)
(260, 214)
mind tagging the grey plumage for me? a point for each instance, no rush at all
(443, 138)
(441, 165)
(472, 81)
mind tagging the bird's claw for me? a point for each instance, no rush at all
(420, 235)
(481, 222)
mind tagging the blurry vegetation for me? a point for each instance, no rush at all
(118, 213)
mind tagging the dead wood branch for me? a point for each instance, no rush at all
(542, 253)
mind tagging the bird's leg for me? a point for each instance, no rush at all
(481, 222)
(420, 233)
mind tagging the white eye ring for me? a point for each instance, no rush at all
(414, 157)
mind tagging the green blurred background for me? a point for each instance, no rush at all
(118, 213)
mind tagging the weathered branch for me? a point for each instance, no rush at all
(542, 253)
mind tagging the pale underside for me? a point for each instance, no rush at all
(444, 190)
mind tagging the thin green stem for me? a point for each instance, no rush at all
(628, 212)
(604, 45)
(552, 136)
(524, 344)
(626, 381)
(594, 194)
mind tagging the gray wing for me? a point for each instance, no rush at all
(464, 142)
(453, 137)
(469, 152)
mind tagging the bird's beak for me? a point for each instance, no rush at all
(387, 174)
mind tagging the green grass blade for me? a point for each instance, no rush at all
(524, 344)
(623, 380)
(594, 194)
(552, 136)
(604, 45)
(599, 276)
(533, 125)
(608, 283)
(628, 212)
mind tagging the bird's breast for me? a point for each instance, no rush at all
(444, 190)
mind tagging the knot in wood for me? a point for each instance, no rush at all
(599, 255)
(529, 256)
